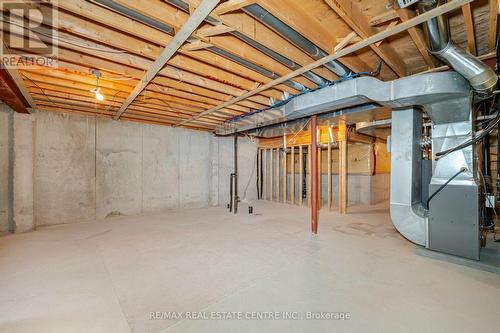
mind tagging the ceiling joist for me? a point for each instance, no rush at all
(180, 37)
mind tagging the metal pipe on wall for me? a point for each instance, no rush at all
(314, 175)
(235, 182)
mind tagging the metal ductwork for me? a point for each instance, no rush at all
(481, 77)
(303, 43)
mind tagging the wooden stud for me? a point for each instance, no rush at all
(320, 188)
(264, 180)
(278, 172)
(292, 173)
(301, 175)
(342, 167)
(259, 173)
(285, 176)
(492, 33)
(329, 175)
(469, 28)
(271, 172)
(309, 163)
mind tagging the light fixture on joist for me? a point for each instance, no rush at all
(97, 90)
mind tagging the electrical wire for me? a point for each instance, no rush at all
(444, 185)
(472, 141)
(42, 90)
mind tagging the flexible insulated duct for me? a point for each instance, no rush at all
(481, 77)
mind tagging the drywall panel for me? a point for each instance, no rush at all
(118, 168)
(64, 168)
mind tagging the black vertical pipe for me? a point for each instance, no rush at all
(235, 182)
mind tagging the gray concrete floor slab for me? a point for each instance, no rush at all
(108, 276)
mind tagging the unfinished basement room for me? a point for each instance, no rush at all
(249, 166)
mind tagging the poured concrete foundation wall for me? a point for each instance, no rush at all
(23, 172)
(5, 140)
(88, 168)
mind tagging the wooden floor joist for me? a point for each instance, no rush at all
(454, 4)
(180, 37)
(253, 62)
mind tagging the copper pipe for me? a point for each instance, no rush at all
(314, 175)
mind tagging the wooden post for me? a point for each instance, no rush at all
(314, 175)
(319, 178)
(301, 175)
(285, 180)
(259, 173)
(329, 175)
(278, 171)
(264, 180)
(292, 172)
(342, 167)
(271, 172)
(309, 154)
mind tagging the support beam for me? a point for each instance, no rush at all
(10, 94)
(329, 175)
(443, 9)
(18, 80)
(342, 167)
(320, 188)
(314, 175)
(292, 173)
(199, 15)
(309, 168)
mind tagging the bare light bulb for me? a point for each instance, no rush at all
(99, 96)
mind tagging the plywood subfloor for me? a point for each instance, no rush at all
(108, 276)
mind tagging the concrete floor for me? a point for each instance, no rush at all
(108, 276)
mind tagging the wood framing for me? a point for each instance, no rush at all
(454, 4)
(469, 28)
(230, 63)
(180, 37)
